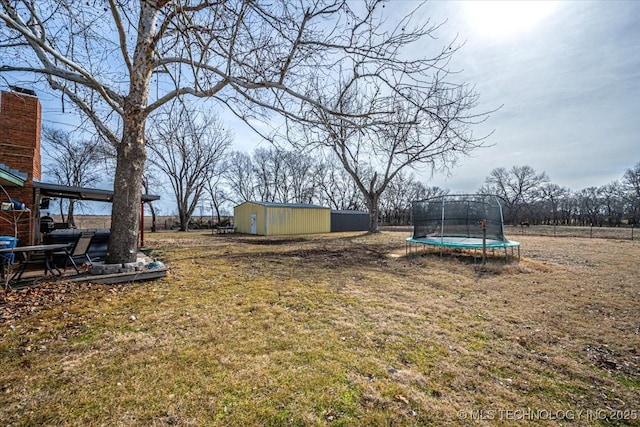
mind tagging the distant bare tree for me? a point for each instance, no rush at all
(631, 193)
(280, 176)
(148, 183)
(568, 208)
(269, 169)
(590, 206)
(216, 193)
(395, 203)
(518, 188)
(71, 161)
(240, 177)
(335, 188)
(300, 184)
(552, 196)
(189, 148)
(613, 203)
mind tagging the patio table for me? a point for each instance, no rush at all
(24, 254)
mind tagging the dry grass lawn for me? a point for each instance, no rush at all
(340, 329)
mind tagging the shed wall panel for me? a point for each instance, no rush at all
(349, 221)
(282, 220)
(296, 220)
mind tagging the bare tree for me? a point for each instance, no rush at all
(568, 207)
(613, 203)
(283, 176)
(189, 148)
(518, 188)
(268, 164)
(216, 193)
(590, 206)
(395, 203)
(240, 177)
(300, 183)
(149, 182)
(631, 193)
(552, 196)
(257, 58)
(150, 178)
(426, 126)
(71, 161)
(335, 187)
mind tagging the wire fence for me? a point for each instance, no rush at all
(595, 232)
(591, 232)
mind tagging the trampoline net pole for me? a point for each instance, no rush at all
(442, 227)
(484, 241)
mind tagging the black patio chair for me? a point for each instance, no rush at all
(79, 250)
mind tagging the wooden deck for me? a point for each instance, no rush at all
(34, 275)
(129, 277)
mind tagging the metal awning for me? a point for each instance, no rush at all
(11, 177)
(81, 193)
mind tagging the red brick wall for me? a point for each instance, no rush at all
(20, 118)
(20, 127)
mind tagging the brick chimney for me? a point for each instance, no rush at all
(20, 129)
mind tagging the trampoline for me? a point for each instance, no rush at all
(467, 221)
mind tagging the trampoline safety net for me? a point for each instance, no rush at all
(458, 216)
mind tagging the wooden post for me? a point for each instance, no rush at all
(142, 224)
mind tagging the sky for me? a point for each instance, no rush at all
(564, 76)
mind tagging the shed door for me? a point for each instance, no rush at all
(254, 221)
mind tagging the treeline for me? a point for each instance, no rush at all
(272, 175)
(529, 196)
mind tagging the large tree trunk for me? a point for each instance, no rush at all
(184, 220)
(374, 210)
(125, 214)
(131, 153)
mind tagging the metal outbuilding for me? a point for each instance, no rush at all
(272, 219)
(349, 221)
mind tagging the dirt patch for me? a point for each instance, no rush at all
(270, 241)
(615, 362)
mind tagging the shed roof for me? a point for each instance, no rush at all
(81, 193)
(286, 205)
(349, 212)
